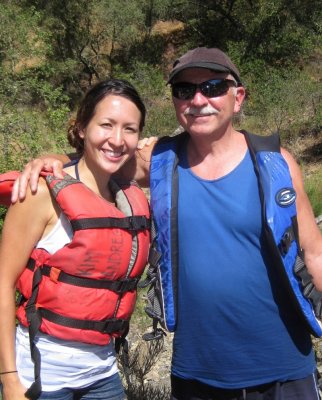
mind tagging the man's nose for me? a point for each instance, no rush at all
(199, 99)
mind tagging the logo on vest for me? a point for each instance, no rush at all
(285, 197)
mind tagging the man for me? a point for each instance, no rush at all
(238, 332)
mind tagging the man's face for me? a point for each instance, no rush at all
(202, 115)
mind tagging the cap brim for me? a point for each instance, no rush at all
(211, 66)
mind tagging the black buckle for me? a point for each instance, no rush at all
(154, 257)
(125, 285)
(151, 278)
(286, 241)
(132, 225)
(154, 315)
(157, 334)
(138, 222)
(114, 325)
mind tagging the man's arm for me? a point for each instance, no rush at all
(30, 174)
(138, 168)
(309, 232)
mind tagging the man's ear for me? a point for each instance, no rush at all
(240, 97)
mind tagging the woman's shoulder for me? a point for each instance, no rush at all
(39, 202)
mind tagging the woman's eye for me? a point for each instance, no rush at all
(131, 129)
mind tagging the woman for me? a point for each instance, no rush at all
(75, 250)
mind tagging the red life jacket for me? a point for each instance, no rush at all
(86, 291)
(6, 182)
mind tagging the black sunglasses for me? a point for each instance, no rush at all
(211, 88)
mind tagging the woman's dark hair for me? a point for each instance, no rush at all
(86, 110)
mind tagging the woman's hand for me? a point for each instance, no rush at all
(12, 388)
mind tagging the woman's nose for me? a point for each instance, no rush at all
(117, 137)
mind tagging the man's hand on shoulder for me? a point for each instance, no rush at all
(138, 167)
(31, 172)
(148, 141)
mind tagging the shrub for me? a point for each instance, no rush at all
(313, 189)
(284, 102)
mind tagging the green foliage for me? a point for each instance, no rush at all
(284, 101)
(52, 51)
(3, 211)
(313, 189)
(26, 131)
(150, 83)
(19, 35)
(22, 137)
(276, 31)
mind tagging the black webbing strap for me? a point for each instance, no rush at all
(107, 326)
(122, 349)
(154, 298)
(309, 290)
(286, 241)
(271, 143)
(31, 264)
(132, 223)
(151, 274)
(34, 320)
(120, 286)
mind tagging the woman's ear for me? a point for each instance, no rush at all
(82, 134)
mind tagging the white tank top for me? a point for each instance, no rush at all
(63, 363)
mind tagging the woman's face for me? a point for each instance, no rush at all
(111, 136)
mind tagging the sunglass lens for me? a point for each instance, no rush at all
(214, 88)
(211, 88)
(183, 91)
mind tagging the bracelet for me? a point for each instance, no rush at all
(8, 372)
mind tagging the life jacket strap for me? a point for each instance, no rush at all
(106, 326)
(309, 290)
(154, 308)
(34, 320)
(119, 286)
(286, 241)
(132, 223)
(122, 349)
(151, 275)
(35, 314)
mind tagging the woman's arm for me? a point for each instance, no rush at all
(309, 233)
(24, 225)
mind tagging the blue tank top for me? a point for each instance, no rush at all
(236, 328)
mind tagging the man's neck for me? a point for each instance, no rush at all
(212, 158)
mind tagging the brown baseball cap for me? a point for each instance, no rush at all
(204, 57)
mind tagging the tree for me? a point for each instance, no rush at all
(276, 31)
